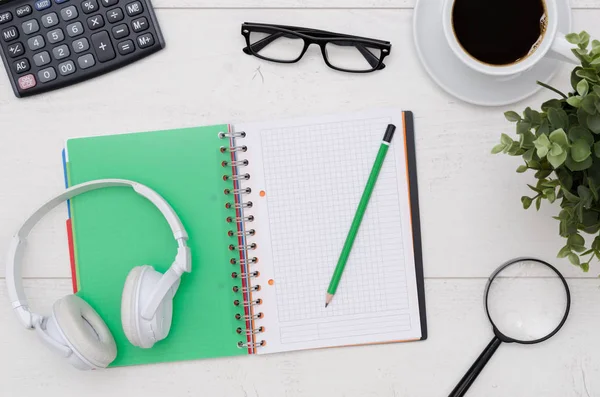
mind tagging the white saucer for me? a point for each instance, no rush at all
(459, 80)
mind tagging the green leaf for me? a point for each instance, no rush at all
(585, 267)
(588, 74)
(582, 116)
(526, 201)
(550, 195)
(523, 127)
(573, 38)
(578, 166)
(542, 144)
(580, 150)
(505, 139)
(554, 103)
(556, 149)
(560, 137)
(538, 203)
(574, 259)
(557, 160)
(558, 118)
(576, 239)
(597, 149)
(532, 116)
(528, 155)
(583, 87)
(595, 61)
(589, 104)
(574, 78)
(564, 252)
(541, 174)
(565, 178)
(526, 140)
(579, 132)
(522, 169)
(535, 189)
(570, 196)
(593, 123)
(512, 116)
(584, 40)
(596, 90)
(574, 101)
(595, 44)
(585, 196)
(498, 148)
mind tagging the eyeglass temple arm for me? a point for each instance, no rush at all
(369, 56)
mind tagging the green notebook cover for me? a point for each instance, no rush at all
(114, 230)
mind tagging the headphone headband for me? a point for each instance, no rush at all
(14, 281)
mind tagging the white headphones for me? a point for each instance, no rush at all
(74, 329)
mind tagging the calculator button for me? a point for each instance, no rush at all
(114, 15)
(86, 61)
(95, 22)
(61, 52)
(26, 82)
(14, 50)
(23, 11)
(75, 29)
(140, 24)
(46, 75)
(69, 13)
(55, 36)
(66, 68)
(60, 1)
(126, 47)
(134, 8)
(81, 45)
(36, 42)
(50, 20)
(41, 59)
(108, 3)
(5, 17)
(42, 4)
(120, 31)
(21, 66)
(10, 34)
(145, 40)
(30, 26)
(89, 6)
(103, 46)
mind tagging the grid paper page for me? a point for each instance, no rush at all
(313, 177)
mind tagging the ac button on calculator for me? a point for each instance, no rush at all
(50, 44)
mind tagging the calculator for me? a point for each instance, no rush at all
(50, 44)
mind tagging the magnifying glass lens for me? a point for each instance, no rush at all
(527, 301)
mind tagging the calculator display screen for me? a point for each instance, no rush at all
(5, 1)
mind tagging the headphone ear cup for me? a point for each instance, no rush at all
(84, 331)
(139, 285)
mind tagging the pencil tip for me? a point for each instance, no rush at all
(327, 304)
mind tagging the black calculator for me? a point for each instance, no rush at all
(50, 44)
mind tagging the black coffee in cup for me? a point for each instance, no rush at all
(499, 32)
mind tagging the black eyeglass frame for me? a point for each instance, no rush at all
(318, 37)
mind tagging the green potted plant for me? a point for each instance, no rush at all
(561, 145)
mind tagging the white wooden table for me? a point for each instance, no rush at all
(470, 209)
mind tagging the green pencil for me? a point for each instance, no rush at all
(360, 212)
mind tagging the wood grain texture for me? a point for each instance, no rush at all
(388, 4)
(470, 200)
(565, 366)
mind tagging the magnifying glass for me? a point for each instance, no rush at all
(527, 301)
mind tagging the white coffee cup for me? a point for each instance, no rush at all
(553, 45)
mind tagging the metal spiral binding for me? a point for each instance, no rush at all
(238, 230)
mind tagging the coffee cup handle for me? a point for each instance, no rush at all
(562, 50)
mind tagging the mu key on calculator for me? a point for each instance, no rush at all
(50, 44)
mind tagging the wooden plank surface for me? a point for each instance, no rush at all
(388, 4)
(565, 366)
(471, 214)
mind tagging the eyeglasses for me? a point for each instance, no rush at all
(287, 44)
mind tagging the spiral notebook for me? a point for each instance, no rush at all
(267, 207)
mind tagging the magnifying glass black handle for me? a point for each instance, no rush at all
(473, 372)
